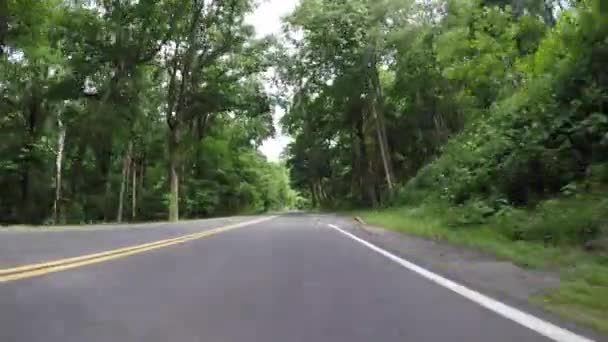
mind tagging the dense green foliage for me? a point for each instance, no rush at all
(483, 108)
(114, 109)
(125, 109)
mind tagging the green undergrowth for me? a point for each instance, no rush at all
(568, 235)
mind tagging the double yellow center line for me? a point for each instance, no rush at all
(28, 271)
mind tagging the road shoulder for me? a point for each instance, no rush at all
(477, 270)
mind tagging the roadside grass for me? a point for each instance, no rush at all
(582, 295)
(583, 292)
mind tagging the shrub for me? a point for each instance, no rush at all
(573, 219)
(472, 213)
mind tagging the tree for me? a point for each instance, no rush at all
(438, 94)
(212, 30)
(85, 92)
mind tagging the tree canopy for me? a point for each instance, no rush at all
(139, 110)
(461, 100)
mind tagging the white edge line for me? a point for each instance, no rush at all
(542, 327)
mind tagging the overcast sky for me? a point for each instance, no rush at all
(267, 20)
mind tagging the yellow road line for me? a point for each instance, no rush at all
(29, 271)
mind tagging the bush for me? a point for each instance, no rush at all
(474, 212)
(409, 196)
(533, 142)
(561, 221)
(565, 222)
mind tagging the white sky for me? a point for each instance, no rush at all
(267, 20)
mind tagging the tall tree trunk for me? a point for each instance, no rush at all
(313, 193)
(367, 179)
(323, 192)
(108, 211)
(76, 169)
(134, 189)
(383, 149)
(142, 174)
(173, 177)
(126, 163)
(58, 169)
(355, 161)
(370, 185)
(387, 147)
(319, 191)
(377, 111)
(33, 116)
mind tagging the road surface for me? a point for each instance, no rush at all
(289, 279)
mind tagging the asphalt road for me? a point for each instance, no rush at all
(20, 246)
(290, 279)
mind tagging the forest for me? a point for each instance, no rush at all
(482, 109)
(133, 110)
(115, 110)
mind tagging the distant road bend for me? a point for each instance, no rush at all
(264, 279)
